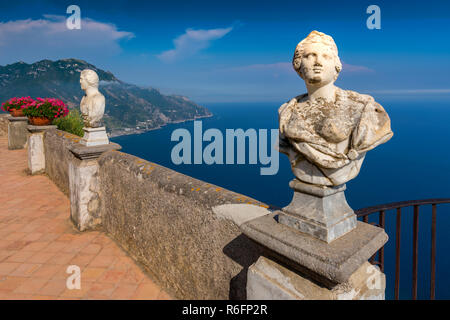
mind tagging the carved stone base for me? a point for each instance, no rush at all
(84, 185)
(84, 197)
(269, 280)
(94, 137)
(320, 212)
(328, 263)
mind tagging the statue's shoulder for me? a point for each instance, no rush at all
(357, 97)
(367, 102)
(98, 98)
(99, 95)
(287, 105)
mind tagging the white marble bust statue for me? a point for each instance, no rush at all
(327, 131)
(92, 105)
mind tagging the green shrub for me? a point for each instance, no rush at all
(72, 123)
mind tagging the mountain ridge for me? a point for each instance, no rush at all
(129, 108)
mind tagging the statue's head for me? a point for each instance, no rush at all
(316, 59)
(88, 78)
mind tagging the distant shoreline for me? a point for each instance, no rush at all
(122, 132)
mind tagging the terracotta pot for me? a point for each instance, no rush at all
(39, 121)
(16, 112)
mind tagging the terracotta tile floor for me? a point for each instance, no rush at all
(38, 243)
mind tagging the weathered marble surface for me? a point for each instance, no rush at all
(327, 131)
(321, 212)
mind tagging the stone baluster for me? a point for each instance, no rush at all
(299, 266)
(17, 132)
(83, 168)
(84, 186)
(35, 145)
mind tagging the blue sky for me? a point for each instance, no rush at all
(214, 51)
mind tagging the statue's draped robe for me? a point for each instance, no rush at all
(326, 142)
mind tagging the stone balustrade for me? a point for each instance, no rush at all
(168, 222)
(200, 240)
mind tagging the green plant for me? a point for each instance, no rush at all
(72, 123)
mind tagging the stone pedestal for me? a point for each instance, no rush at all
(84, 186)
(300, 266)
(94, 137)
(4, 124)
(270, 280)
(17, 132)
(320, 212)
(36, 154)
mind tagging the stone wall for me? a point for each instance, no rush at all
(58, 156)
(165, 221)
(4, 124)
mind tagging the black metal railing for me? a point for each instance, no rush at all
(397, 206)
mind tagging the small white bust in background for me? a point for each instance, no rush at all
(92, 105)
(92, 109)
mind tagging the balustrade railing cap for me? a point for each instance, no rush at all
(17, 119)
(84, 152)
(33, 128)
(330, 263)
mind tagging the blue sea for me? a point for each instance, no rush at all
(414, 164)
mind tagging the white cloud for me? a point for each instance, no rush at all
(49, 38)
(351, 68)
(191, 42)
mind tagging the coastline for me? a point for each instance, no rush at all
(122, 132)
